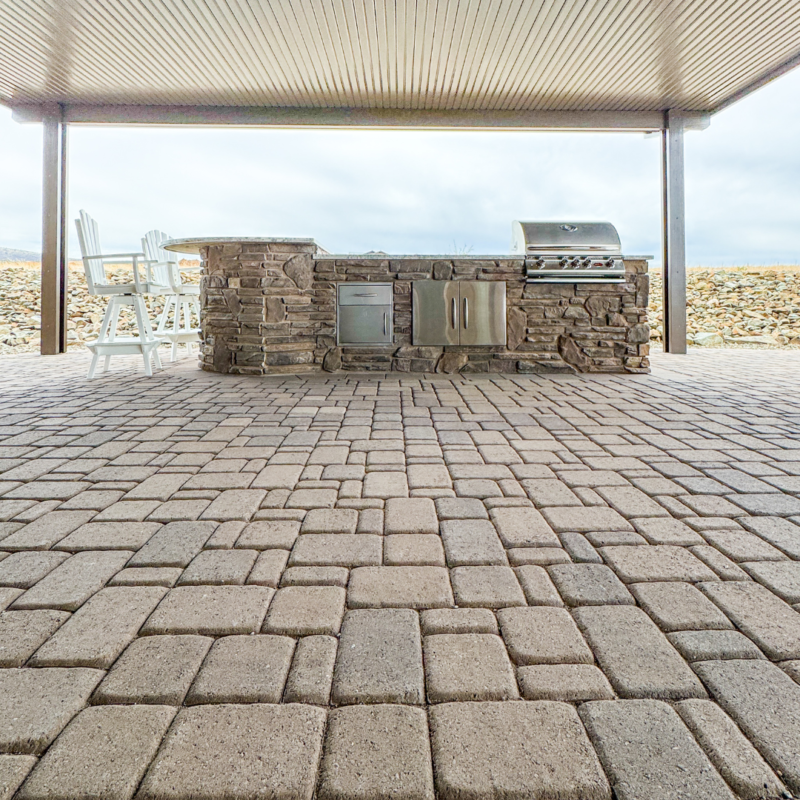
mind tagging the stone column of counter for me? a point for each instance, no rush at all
(256, 306)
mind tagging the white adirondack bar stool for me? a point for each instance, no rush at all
(179, 297)
(108, 343)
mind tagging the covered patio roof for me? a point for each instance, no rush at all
(597, 65)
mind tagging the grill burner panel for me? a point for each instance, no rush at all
(569, 252)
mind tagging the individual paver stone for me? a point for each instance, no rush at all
(677, 606)
(70, 584)
(103, 752)
(649, 754)
(538, 588)
(780, 577)
(458, 620)
(175, 545)
(413, 550)
(109, 536)
(379, 658)
(211, 610)
(486, 587)
(219, 567)
(375, 752)
(742, 546)
(243, 669)
(268, 568)
(399, 587)
(154, 669)
(661, 562)
(665, 530)
(305, 610)
(311, 672)
(572, 683)
(267, 534)
(728, 749)
(47, 530)
(385, 485)
(713, 645)
(770, 622)
(589, 585)
(239, 752)
(23, 570)
(235, 504)
(337, 550)
(582, 519)
(23, 632)
(13, 770)
(330, 520)
(410, 515)
(782, 533)
(765, 703)
(468, 666)
(514, 751)
(523, 527)
(635, 656)
(100, 629)
(472, 542)
(543, 635)
(36, 704)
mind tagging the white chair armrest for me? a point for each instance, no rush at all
(106, 256)
(135, 258)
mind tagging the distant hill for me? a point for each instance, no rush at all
(9, 254)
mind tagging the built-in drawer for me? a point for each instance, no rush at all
(365, 294)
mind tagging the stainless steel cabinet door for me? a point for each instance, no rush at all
(483, 313)
(435, 312)
(364, 325)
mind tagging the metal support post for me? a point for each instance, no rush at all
(54, 236)
(674, 234)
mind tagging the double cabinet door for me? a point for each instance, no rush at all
(458, 313)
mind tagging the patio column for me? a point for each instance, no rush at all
(674, 235)
(55, 237)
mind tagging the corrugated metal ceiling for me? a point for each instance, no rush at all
(510, 55)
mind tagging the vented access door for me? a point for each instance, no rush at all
(459, 313)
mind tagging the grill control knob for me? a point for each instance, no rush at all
(609, 262)
(563, 262)
(576, 262)
(587, 262)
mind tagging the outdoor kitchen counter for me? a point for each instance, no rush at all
(269, 306)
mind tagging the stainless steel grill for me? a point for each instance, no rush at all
(569, 252)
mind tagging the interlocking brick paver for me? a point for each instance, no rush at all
(36, 704)
(523, 527)
(154, 669)
(728, 749)
(379, 658)
(377, 751)
(210, 610)
(13, 770)
(356, 490)
(543, 635)
(589, 585)
(22, 633)
(243, 669)
(468, 666)
(306, 610)
(713, 645)
(770, 622)
(311, 672)
(634, 654)
(79, 764)
(486, 587)
(490, 750)
(676, 606)
(472, 542)
(238, 752)
(765, 703)
(337, 549)
(649, 754)
(23, 570)
(574, 683)
(100, 629)
(662, 562)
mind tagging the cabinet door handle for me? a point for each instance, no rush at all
(385, 321)
(367, 294)
(466, 313)
(453, 312)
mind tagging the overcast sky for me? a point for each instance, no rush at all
(413, 192)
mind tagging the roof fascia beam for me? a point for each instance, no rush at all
(632, 121)
(766, 78)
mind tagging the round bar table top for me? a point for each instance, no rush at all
(193, 246)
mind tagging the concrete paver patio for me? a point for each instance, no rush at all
(356, 587)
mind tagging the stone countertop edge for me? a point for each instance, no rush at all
(444, 257)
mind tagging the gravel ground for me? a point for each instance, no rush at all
(743, 307)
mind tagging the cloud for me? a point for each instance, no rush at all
(423, 192)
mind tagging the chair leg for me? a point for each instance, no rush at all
(93, 365)
(163, 318)
(145, 333)
(116, 304)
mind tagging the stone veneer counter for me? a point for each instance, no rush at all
(268, 305)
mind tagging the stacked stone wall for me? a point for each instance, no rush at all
(271, 308)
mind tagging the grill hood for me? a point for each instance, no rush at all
(564, 237)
